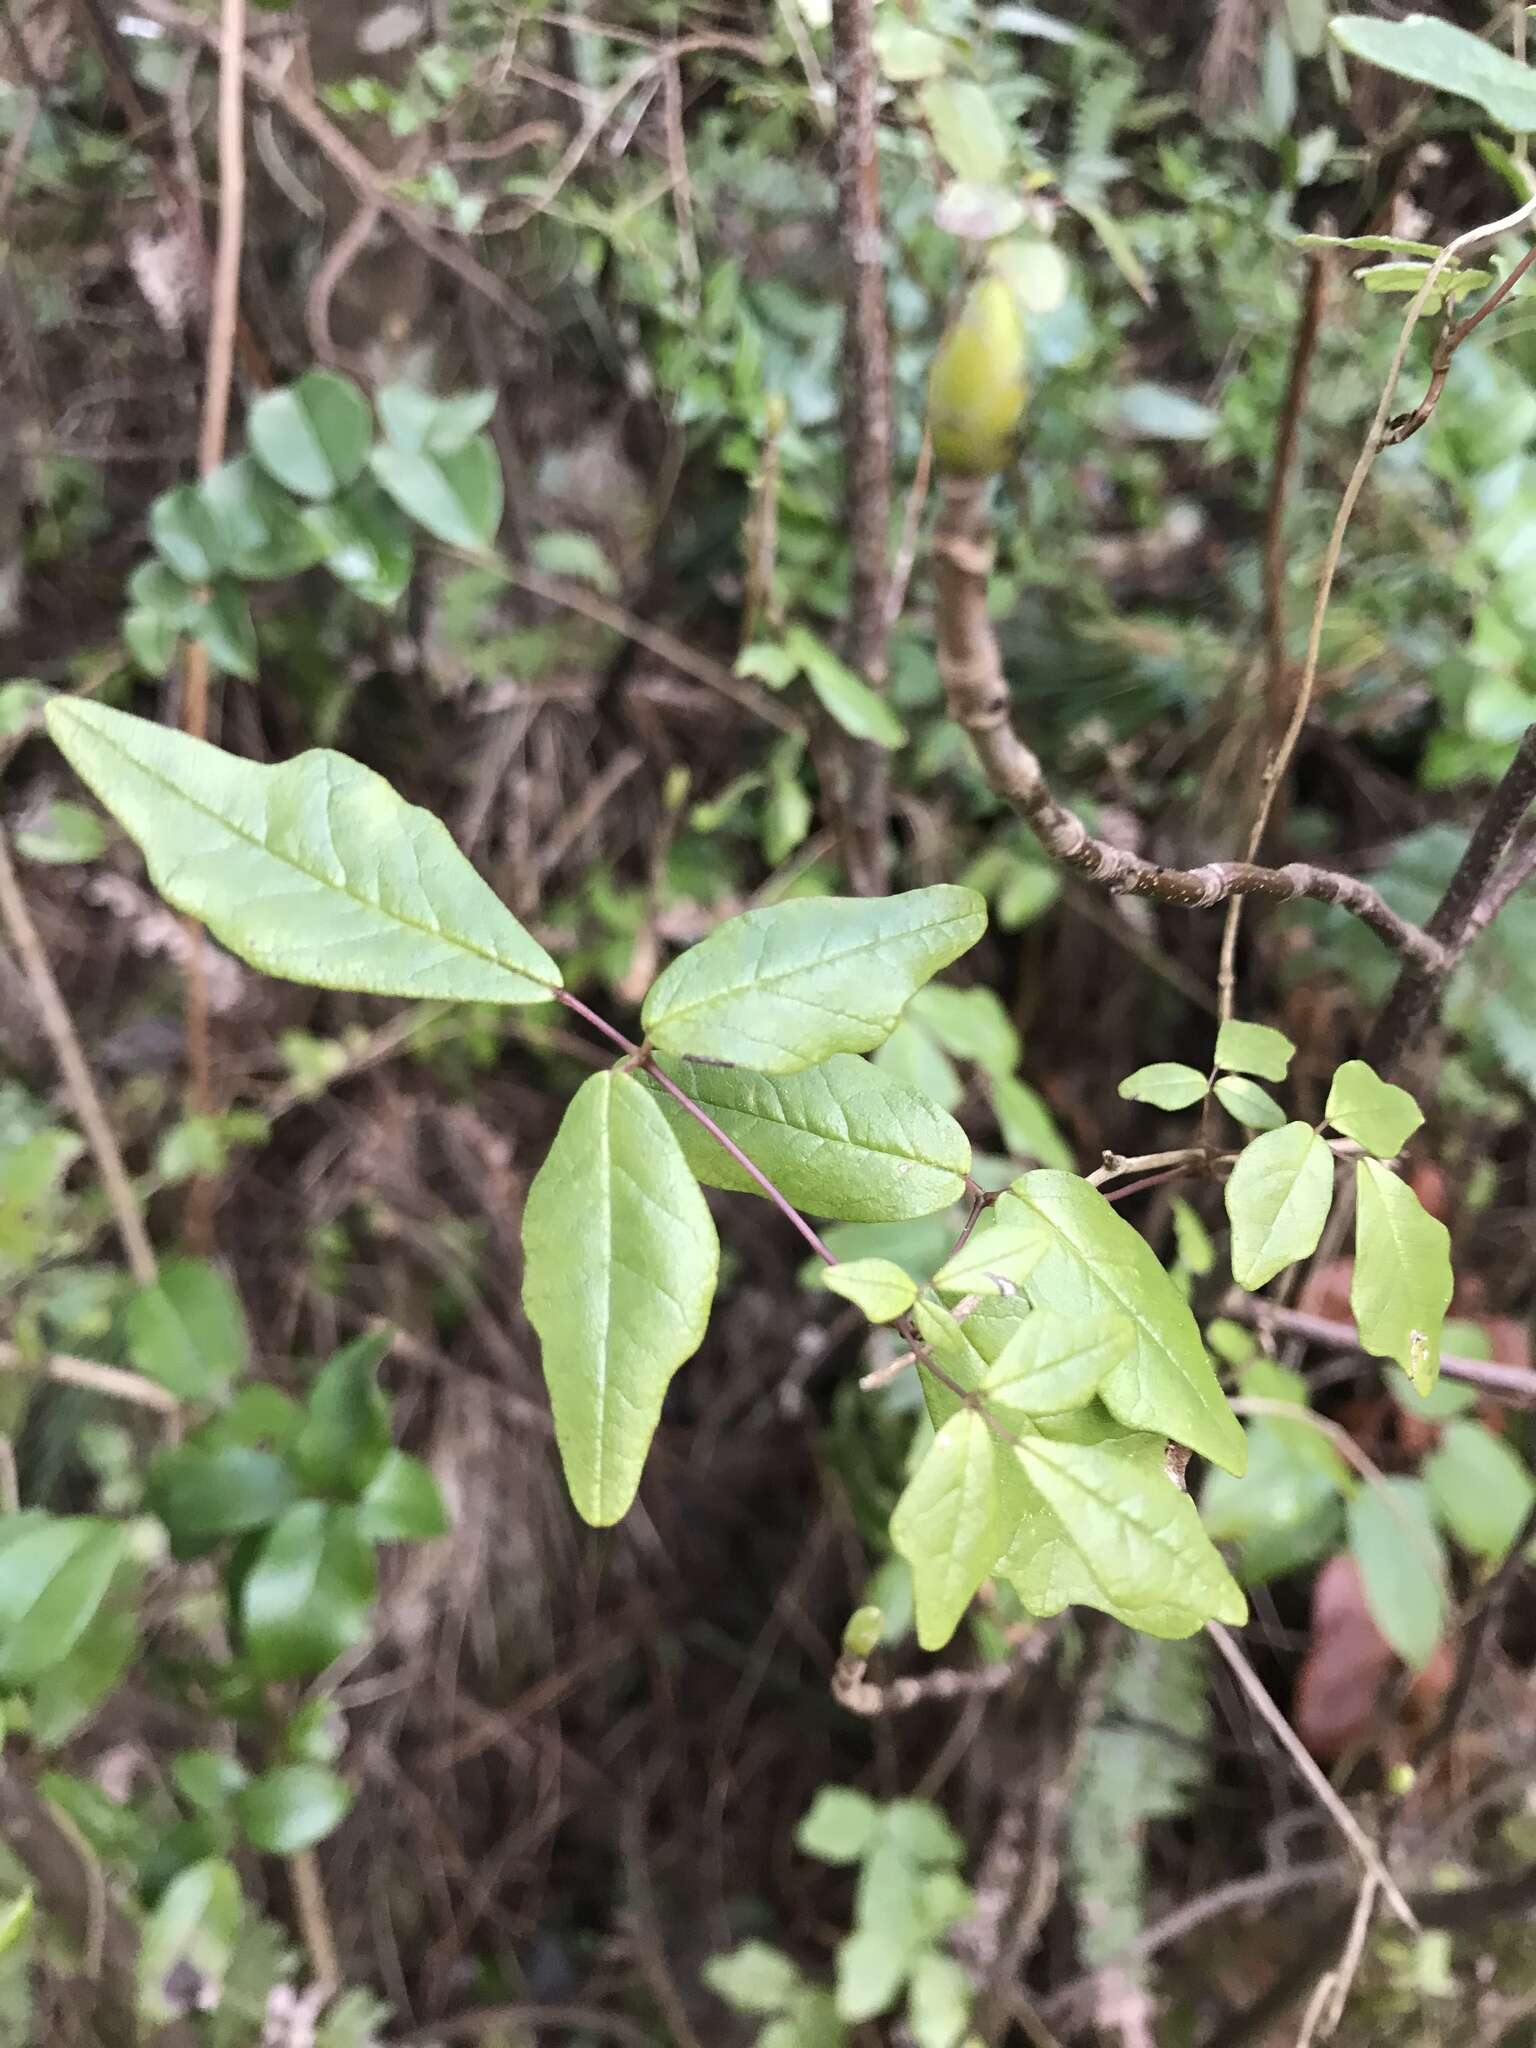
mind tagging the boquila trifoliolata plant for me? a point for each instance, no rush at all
(1057, 1357)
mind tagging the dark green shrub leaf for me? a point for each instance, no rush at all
(789, 986)
(188, 1331)
(55, 1571)
(312, 436)
(620, 1263)
(185, 1949)
(401, 1503)
(1402, 1281)
(306, 1595)
(1402, 1566)
(346, 1424)
(1480, 1487)
(292, 1807)
(183, 527)
(846, 697)
(1375, 1113)
(364, 543)
(222, 621)
(208, 1778)
(1165, 1084)
(314, 869)
(1094, 1260)
(1278, 1197)
(420, 423)
(457, 497)
(261, 528)
(65, 1696)
(841, 1139)
(203, 1495)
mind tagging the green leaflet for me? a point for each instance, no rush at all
(312, 436)
(1247, 1103)
(315, 870)
(55, 1571)
(621, 1258)
(1402, 1566)
(188, 1331)
(1278, 1197)
(1054, 1362)
(457, 496)
(191, 1930)
(1253, 1049)
(1480, 1487)
(998, 1260)
(789, 986)
(1375, 1113)
(842, 1139)
(877, 1286)
(1107, 1527)
(950, 1524)
(1094, 1260)
(1436, 53)
(291, 1807)
(1166, 1084)
(1402, 1281)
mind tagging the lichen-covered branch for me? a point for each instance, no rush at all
(970, 664)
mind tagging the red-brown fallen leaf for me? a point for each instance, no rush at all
(1350, 1674)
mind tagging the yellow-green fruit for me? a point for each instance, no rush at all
(978, 387)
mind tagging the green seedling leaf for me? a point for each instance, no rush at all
(1093, 1260)
(290, 1808)
(208, 1778)
(1054, 1362)
(1278, 1197)
(312, 436)
(420, 423)
(1375, 1113)
(188, 1331)
(787, 987)
(877, 1286)
(1253, 1049)
(315, 870)
(754, 1978)
(1402, 1281)
(872, 1966)
(998, 1260)
(1402, 1566)
(949, 1524)
(307, 1594)
(457, 497)
(842, 1139)
(839, 1826)
(346, 1426)
(364, 543)
(1436, 53)
(65, 1696)
(1106, 1526)
(966, 130)
(204, 1495)
(1247, 1103)
(620, 1264)
(401, 1503)
(55, 1571)
(846, 697)
(187, 1943)
(1480, 1488)
(1165, 1084)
